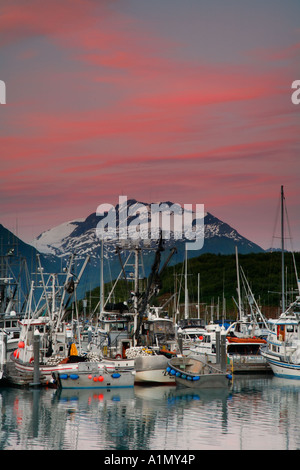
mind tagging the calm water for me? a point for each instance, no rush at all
(258, 413)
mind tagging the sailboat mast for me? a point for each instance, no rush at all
(101, 280)
(186, 294)
(282, 249)
(238, 282)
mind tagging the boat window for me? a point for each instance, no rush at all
(117, 326)
(163, 327)
(289, 328)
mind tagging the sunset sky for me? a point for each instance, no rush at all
(181, 100)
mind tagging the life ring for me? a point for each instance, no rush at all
(118, 356)
(31, 360)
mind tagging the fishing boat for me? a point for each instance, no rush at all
(150, 366)
(91, 375)
(14, 287)
(190, 331)
(283, 343)
(192, 372)
(157, 343)
(138, 334)
(282, 350)
(45, 326)
(243, 353)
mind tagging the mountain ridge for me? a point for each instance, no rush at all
(80, 235)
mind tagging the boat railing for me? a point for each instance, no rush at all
(242, 359)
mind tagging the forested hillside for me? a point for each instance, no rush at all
(218, 281)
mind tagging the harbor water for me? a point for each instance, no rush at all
(257, 412)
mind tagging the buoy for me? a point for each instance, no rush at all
(74, 376)
(95, 379)
(196, 377)
(169, 369)
(90, 376)
(183, 376)
(21, 344)
(116, 375)
(189, 377)
(178, 374)
(100, 378)
(173, 372)
(64, 376)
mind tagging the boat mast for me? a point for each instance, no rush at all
(238, 282)
(136, 294)
(282, 249)
(101, 280)
(186, 292)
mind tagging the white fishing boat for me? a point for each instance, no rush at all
(190, 331)
(45, 327)
(192, 372)
(124, 336)
(150, 366)
(14, 289)
(282, 350)
(243, 354)
(157, 343)
(91, 375)
(283, 343)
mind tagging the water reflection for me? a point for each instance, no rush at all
(258, 413)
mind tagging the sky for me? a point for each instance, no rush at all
(186, 101)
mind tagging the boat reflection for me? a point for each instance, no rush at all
(257, 411)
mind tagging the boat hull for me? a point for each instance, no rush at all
(193, 373)
(158, 376)
(90, 376)
(205, 381)
(152, 369)
(283, 369)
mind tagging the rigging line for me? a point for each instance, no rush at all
(290, 234)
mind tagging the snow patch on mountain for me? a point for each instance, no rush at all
(51, 240)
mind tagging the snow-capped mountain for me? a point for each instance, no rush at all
(80, 237)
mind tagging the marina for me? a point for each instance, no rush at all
(149, 229)
(152, 380)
